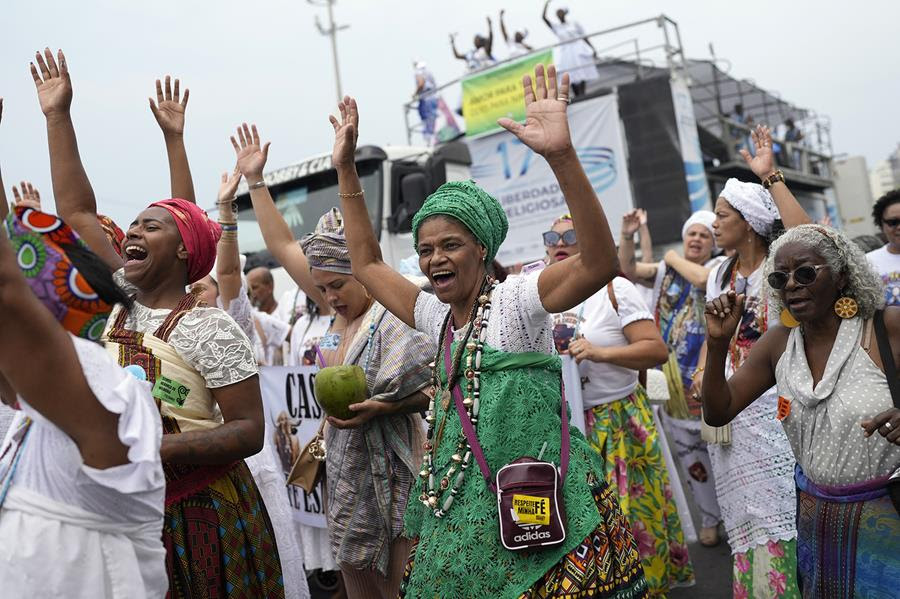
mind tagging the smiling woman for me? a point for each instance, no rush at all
(198, 360)
(498, 345)
(833, 396)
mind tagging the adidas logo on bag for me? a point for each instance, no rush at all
(531, 536)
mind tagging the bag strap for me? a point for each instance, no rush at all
(887, 357)
(472, 437)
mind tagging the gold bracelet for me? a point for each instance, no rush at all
(697, 371)
(355, 194)
(776, 177)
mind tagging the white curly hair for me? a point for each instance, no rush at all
(842, 256)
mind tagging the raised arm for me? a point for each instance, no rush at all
(453, 47)
(228, 257)
(696, 274)
(646, 240)
(724, 399)
(490, 38)
(251, 160)
(27, 328)
(503, 26)
(545, 17)
(566, 284)
(391, 289)
(169, 110)
(75, 202)
(763, 166)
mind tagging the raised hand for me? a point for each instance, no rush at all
(169, 107)
(631, 222)
(30, 196)
(346, 133)
(54, 87)
(546, 128)
(251, 156)
(642, 215)
(723, 315)
(228, 186)
(763, 163)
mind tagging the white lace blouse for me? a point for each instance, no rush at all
(207, 339)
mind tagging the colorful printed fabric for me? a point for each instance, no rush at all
(846, 546)
(767, 572)
(113, 233)
(219, 541)
(605, 564)
(38, 239)
(679, 315)
(624, 435)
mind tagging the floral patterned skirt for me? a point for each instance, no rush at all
(766, 572)
(624, 434)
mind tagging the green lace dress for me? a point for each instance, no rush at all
(460, 555)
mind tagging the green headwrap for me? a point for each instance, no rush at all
(472, 206)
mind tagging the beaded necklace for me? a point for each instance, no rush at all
(732, 347)
(433, 493)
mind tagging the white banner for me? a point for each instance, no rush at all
(689, 140)
(292, 418)
(524, 184)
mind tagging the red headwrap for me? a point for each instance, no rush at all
(199, 234)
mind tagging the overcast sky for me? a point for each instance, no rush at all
(264, 61)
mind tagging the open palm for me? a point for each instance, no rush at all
(763, 162)
(54, 87)
(346, 133)
(546, 128)
(170, 107)
(251, 155)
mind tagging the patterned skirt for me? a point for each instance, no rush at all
(605, 564)
(624, 434)
(848, 544)
(218, 537)
(766, 572)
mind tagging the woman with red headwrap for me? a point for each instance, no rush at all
(198, 360)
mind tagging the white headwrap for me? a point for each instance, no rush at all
(753, 202)
(701, 217)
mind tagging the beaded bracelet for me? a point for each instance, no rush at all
(355, 194)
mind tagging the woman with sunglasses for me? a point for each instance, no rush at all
(886, 259)
(753, 472)
(833, 396)
(612, 336)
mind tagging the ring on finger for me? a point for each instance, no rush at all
(888, 425)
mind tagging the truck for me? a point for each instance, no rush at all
(396, 181)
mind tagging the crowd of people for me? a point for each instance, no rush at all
(141, 467)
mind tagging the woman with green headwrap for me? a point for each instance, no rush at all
(509, 357)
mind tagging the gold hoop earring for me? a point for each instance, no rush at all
(846, 307)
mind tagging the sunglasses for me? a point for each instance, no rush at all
(552, 237)
(803, 276)
(891, 222)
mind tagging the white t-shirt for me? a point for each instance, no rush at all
(597, 320)
(305, 335)
(292, 305)
(69, 530)
(887, 265)
(272, 332)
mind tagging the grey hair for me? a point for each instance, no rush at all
(842, 256)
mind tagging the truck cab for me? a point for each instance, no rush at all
(396, 181)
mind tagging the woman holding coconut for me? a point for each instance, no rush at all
(374, 448)
(457, 233)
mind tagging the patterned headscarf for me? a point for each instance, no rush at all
(473, 207)
(199, 234)
(37, 238)
(754, 203)
(114, 234)
(326, 247)
(565, 218)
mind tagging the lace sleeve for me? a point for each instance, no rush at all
(429, 314)
(522, 323)
(121, 281)
(213, 343)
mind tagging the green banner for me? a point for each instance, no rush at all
(497, 92)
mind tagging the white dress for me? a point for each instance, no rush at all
(69, 530)
(314, 542)
(755, 474)
(576, 57)
(270, 479)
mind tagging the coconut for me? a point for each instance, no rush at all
(337, 387)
